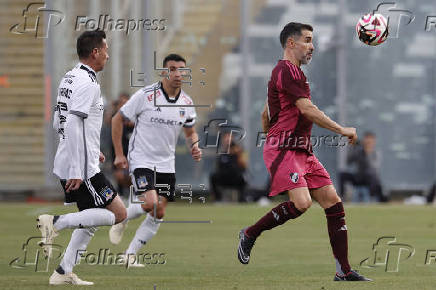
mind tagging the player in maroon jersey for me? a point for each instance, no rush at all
(288, 117)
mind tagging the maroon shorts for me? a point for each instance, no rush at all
(290, 169)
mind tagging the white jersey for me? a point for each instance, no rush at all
(158, 122)
(79, 94)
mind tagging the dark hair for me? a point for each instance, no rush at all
(293, 29)
(174, 57)
(89, 40)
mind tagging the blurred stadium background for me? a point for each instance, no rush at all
(389, 89)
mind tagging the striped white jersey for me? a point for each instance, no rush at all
(158, 122)
(79, 94)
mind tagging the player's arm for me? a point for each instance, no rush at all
(117, 133)
(311, 112)
(129, 111)
(192, 141)
(265, 118)
(74, 140)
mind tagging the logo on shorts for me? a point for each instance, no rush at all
(142, 182)
(294, 177)
(107, 193)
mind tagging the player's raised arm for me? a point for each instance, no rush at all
(117, 133)
(311, 112)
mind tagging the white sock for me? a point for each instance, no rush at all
(78, 243)
(338, 268)
(134, 211)
(144, 233)
(92, 217)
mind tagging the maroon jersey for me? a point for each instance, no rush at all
(289, 129)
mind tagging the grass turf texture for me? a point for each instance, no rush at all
(296, 255)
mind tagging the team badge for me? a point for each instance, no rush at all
(107, 193)
(294, 177)
(182, 112)
(142, 182)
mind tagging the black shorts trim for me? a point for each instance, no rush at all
(143, 179)
(96, 192)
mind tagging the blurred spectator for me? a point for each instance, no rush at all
(431, 194)
(231, 164)
(366, 162)
(121, 176)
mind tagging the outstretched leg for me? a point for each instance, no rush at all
(299, 202)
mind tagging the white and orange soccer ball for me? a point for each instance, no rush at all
(372, 29)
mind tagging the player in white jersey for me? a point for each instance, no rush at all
(160, 111)
(78, 120)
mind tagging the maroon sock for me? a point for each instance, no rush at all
(338, 235)
(275, 217)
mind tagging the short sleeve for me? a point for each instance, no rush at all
(190, 118)
(293, 83)
(134, 106)
(82, 99)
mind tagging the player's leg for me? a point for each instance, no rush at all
(97, 192)
(299, 202)
(323, 191)
(98, 203)
(331, 203)
(145, 204)
(80, 239)
(142, 184)
(150, 226)
(91, 198)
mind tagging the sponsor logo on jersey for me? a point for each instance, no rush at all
(294, 177)
(165, 122)
(150, 96)
(142, 182)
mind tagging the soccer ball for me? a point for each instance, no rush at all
(372, 29)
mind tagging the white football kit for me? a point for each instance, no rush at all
(79, 94)
(158, 121)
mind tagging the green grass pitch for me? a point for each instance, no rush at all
(296, 255)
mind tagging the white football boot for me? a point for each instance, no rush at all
(48, 232)
(116, 232)
(68, 278)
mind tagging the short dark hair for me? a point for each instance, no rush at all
(293, 29)
(174, 57)
(89, 40)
